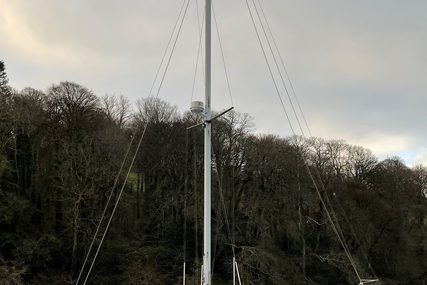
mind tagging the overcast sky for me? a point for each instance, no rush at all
(358, 67)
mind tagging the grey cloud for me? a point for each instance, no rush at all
(358, 66)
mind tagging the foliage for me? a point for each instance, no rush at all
(11, 273)
(3, 79)
(60, 152)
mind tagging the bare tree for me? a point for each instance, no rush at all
(70, 103)
(154, 110)
(361, 162)
(116, 109)
(421, 179)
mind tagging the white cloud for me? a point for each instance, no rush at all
(384, 145)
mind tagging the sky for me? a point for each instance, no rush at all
(358, 67)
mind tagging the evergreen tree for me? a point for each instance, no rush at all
(3, 78)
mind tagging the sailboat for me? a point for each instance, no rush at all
(204, 109)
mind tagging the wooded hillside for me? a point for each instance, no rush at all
(60, 152)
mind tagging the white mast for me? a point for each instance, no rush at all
(207, 273)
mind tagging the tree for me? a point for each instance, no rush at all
(82, 159)
(116, 109)
(5, 119)
(71, 106)
(421, 179)
(61, 150)
(154, 110)
(11, 273)
(3, 79)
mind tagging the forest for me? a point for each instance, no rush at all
(62, 156)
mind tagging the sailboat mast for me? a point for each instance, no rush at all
(207, 273)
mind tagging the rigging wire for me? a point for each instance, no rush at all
(278, 68)
(185, 197)
(363, 251)
(185, 202)
(269, 67)
(201, 31)
(198, 15)
(341, 239)
(127, 152)
(233, 202)
(221, 194)
(141, 138)
(284, 68)
(173, 49)
(295, 113)
(105, 208)
(167, 48)
(199, 53)
(231, 99)
(196, 207)
(299, 106)
(115, 205)
(334, 227)
(334, 215)
(224, 208)
(296, 116)
(223, 57)
(232, 102)
(301, 226)
(294, 93)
